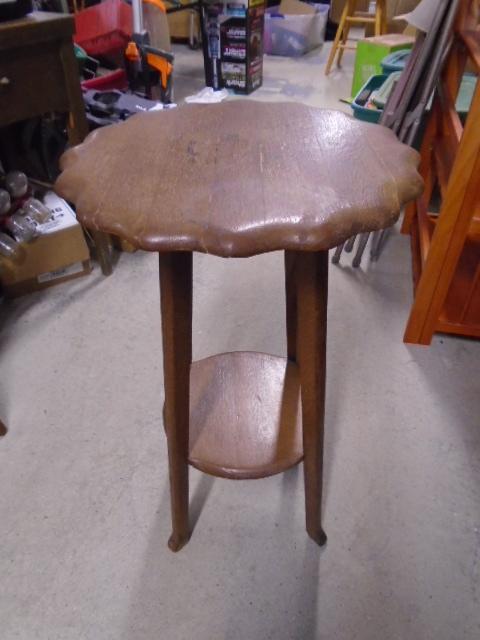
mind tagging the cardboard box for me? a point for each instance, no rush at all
(296, 8)
(371, 52)
(233, 44)
(180, 23)
(58, 254)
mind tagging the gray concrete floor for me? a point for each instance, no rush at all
(84, 510)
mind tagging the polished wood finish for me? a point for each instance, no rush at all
(291, 304)
(39, 75)
(176, 308)
(36, 28)
(446, 247)
(239, 178)
(245, 419)
(312, 289)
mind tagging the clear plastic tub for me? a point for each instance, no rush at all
(294, 35)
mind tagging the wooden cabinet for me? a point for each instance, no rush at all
(38, 75)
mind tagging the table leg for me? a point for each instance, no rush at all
(312, 291)
(176, 308)
(103, 251)
(291, 304)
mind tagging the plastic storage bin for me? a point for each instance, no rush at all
(395, 61)
(293, 35)
(360, 111)
(104, 28)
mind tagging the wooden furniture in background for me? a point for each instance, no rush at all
(352, 17)
(446, 246)
(38, 75)
(242, 415)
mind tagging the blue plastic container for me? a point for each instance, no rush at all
(395, 61)
(361, 112)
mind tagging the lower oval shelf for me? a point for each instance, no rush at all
(245, 415)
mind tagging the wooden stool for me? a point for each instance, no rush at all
(351, 16)
(235, 180)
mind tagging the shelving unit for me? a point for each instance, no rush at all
(446, 245)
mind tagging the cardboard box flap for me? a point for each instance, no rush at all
(296, 7)
(391, 40)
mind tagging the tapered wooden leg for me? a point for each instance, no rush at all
(176, 307)
(291, 304)
(312, 289)
(103, 251)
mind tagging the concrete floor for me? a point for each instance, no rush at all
(84, 510)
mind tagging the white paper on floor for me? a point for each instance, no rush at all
(160, 106)
(208, 96)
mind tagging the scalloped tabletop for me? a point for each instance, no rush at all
(239, 178)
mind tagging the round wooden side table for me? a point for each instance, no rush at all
(235, 180)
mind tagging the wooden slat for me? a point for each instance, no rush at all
(457, 328)
(443, 158)
(472, 306)
(425, 228)
(416, 256)
(450, 120)
(471, 40)
(358, 19)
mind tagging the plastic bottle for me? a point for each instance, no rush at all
(5, 202)
(36, 210)
(22, 228)
(10, 248)
(16, 183)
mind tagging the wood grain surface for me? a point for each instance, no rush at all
(34, 28)
(176, 305)
(312, 294)
(245, 416)
(239, 178)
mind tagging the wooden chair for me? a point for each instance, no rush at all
(350, 16)
(446, 245)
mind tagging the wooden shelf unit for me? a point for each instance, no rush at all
(446, 245)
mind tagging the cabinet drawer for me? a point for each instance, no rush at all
(31, 82)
